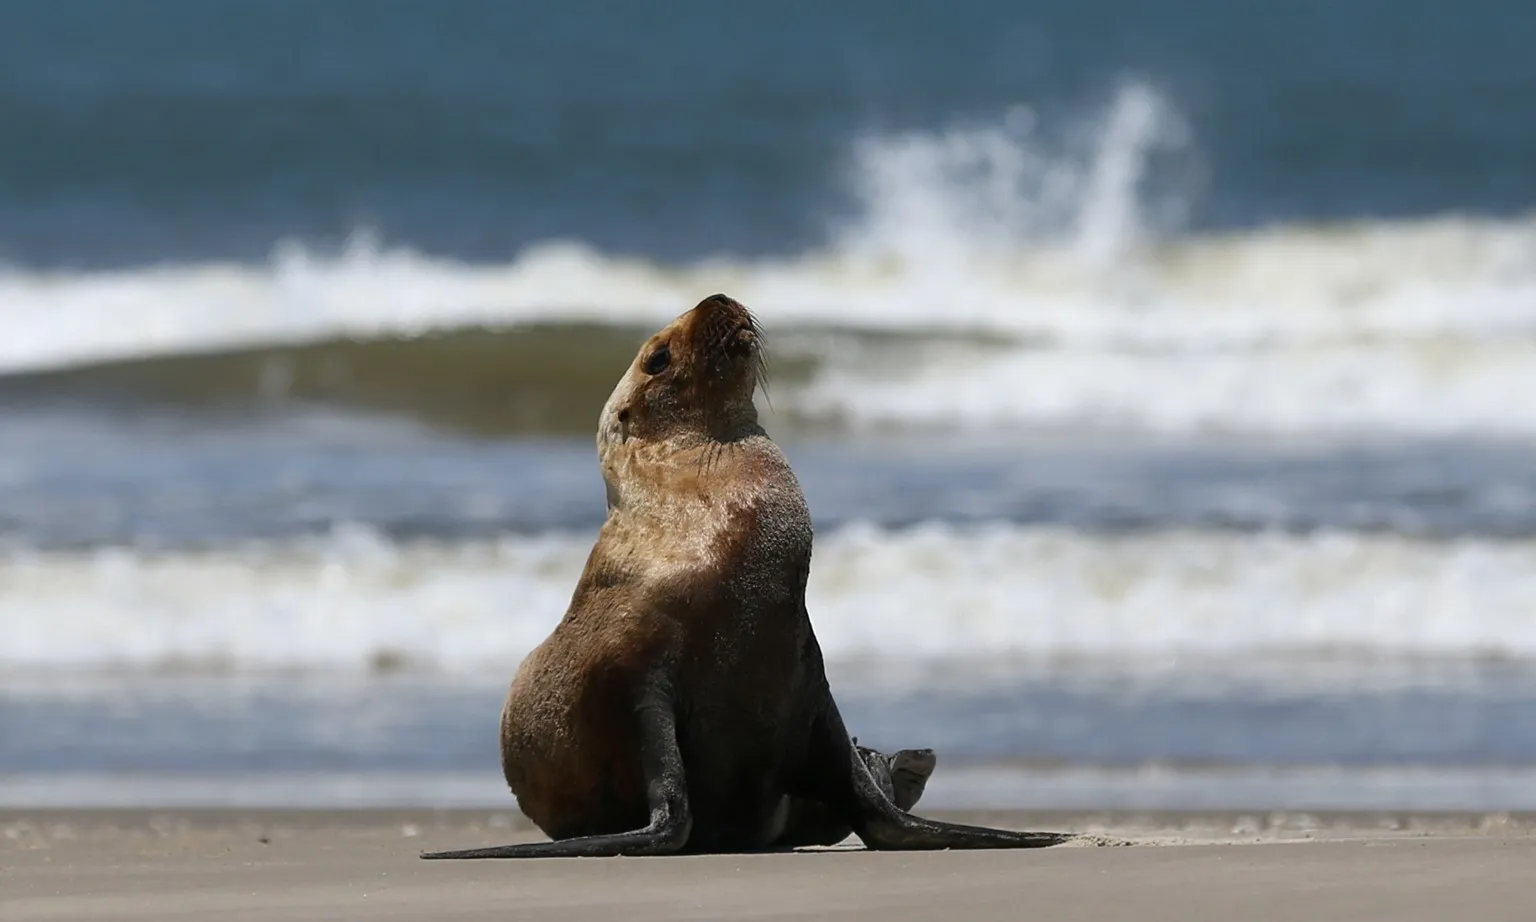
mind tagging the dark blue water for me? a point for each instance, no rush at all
(178, 130)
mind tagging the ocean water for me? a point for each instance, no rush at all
(1158, 376)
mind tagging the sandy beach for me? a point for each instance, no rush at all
(233, 865)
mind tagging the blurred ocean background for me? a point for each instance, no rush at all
(1162, 378)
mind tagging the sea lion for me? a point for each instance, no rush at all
(681, 705)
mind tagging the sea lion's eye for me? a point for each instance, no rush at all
(657, 361)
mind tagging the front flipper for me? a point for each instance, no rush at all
(849, 786)
(666, 789)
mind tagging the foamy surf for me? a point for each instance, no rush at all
(1417, 328)
(1061, 243)
(1285, 287)
(358, 602)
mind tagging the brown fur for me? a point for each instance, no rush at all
(680, 566)
(681, 704)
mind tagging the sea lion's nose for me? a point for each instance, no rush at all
(742, 341)
(720, 301)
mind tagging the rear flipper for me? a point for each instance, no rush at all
(901, 777)
(847, 785)
(908, 770)
(671, 820)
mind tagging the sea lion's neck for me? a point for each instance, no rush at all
(704, 470)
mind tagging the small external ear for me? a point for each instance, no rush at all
(624, 425)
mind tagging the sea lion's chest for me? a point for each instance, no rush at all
(707, 545)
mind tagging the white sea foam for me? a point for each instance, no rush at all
(1005, 228)
(1426, 387)
(929, 595)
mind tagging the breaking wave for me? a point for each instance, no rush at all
(995, 275)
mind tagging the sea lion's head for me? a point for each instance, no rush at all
(692, 382)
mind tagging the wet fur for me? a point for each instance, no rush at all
(682, 705)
